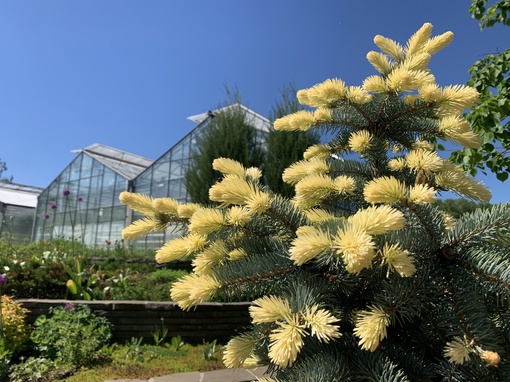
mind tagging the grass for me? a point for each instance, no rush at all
(133, 361)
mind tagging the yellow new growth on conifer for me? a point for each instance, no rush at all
(377, 220)
(398, 260)
(356, 248)
(180, 248)
(386, 189)
(269, 309)
(319, 151)
(286, 342)
(206, 220)
(238, 349)
(166, 205)
(458, 350)
(371, 327)
(299, 170)
(360, 141)
(320, 321)
(310, 243)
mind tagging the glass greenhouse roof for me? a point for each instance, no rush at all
(18, 194)
(126, 164)
(253, 118)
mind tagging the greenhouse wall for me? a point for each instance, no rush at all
(17, 211)
(16, 223)
(82, 204)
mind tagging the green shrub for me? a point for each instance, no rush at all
(72, 335)
(14, 327)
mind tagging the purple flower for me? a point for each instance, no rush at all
(79, 199)
(66, 192)
(46, 216)
(3, 279)
(53, 206)
(108, 242)
(68, 306)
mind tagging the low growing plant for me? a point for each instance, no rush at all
(209, 350)
(34, 369)
(73, 335)
(176, 343)
(81, 282)
(159, 335)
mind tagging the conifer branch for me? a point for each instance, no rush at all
(484, 275)
(452, 294)
(257, 277)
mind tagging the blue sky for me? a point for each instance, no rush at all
(127, 73)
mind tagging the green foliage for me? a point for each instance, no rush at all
(458, 207)
(159, 335)
(209, 350)
(151, 285)
(496, 13)
(176, 343)
(72, 335)
(81, 282)
(284, 148)
(34, 369)
(490, 118)
(5, 359)
(228, 134)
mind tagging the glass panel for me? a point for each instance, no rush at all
(86, 166)
(174, 190)
(181, 149)
(160, 171)
(107, 189)
(95, 192)
(83, 194)
(159, 190)
(116, 232)
(89, 235)
(75, 168)
(176, 170)
(121, 185)
(97, 168)
(143, 189)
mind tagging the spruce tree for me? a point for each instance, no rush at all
(359, 277)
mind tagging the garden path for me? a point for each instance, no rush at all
(228, 375)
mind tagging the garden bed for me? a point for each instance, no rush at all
(206, 322)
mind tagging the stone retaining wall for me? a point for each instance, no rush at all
(207, 322)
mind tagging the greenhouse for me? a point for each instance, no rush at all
(82, 203)
(17, 211)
